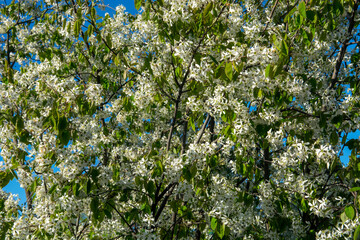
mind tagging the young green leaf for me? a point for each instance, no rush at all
(208, 8)
(350, 212)
(357, 233)
(138, 4)
(229, 70)
(213, 223)
(302, 9)
(269, 71)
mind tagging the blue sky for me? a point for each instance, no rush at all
(13, 186)
(129, 5)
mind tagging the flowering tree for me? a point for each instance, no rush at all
(196, 119)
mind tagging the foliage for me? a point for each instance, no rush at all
(196, 119)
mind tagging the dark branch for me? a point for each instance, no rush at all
(344, 47)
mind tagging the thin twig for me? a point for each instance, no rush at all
(201, 132)
(344, 47)
(271, 15)
(134, 230)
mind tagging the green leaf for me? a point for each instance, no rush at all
(187, 173)
(213, 223)
(75, 189)
(208, 8)
(5, 178)
(197, 57)
(354, 189)
(229, 70)
(77, 26)
(357, 233)
(94, 206)
(239, 67)
(284, 48)
(178, 72)
(334, 138)
(5, 227)
(64, 137)
(62, 125)
(52, 189)
(90, 30)
(19, 124)
(88, 186)
(337, 121)
(106, 131)
(150, 187)
(146, 208)
(269, 72)
(117, 59)
(138, 181)
(304, 205)
(192, 123)
(109, 41)
(158, 97)
(257, 93)
(160, 167)
(302, 9)
(138, 4)
(107, 213)
(353, 143)
(93, 13)
(221, 232)
(350, 212)
(193, 170)
(262, 129)
(343, 217)
(288, 16)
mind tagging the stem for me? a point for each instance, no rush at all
(267, 163)
(203, 128)
(174, 224)
(28, 199)
(212, 126)
(172, 125)
(183, 145)
(271, 15)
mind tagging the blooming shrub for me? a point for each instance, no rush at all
(195, 119)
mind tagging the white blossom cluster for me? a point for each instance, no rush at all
(194, 119)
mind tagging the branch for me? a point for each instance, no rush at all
(172, 227)
(267, 163)
(344, 47)
(83, 229)
(174, 220)
(173, 124)
(162, 206)
(28, 199)
(183, 144)
(134, 230)
(212, 126)
(174, 68)
(165, 93)
(271, 15)
(165, 190)
(203, 128)
(112, 95)
(298, 110)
